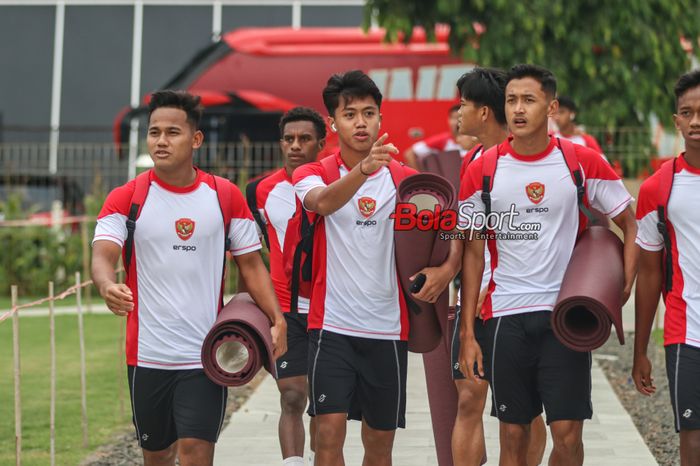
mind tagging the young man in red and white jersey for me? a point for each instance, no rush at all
(682, 318)
(172, 299)
(564, 118)
(525, 363)
(441, 142)
(302, 137)
(481, 115)
(358, 319)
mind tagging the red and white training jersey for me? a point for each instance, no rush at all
(355, 283)
(535, 196)
(442, 142)
(474, 154)
(179, 254)
(682, 318)
(276, 202)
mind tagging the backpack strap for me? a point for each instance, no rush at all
(251, 199)
(331, 170)
(397, 172)
(488, 171)
(666, 172)
(143, 182)
(568, 150)
(478, 148)
(224, 193)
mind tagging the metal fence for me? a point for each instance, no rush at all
(84, 169)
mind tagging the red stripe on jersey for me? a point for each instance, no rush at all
(675, 319)
(487, 307)
(318, 293)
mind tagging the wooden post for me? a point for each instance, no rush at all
(120, 370)
(52, 336)
(86, 261)
(83, 369)
(18, 399)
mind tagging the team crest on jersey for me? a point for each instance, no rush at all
(367, 206)
(535, 192)
(184, 228)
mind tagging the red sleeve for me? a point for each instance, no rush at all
(438, 141)
(470, 181)
(594, 166)
(648, 199)
(308, 169)
(591, 143)
(119, 200)
(239, 205)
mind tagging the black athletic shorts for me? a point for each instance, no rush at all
(683, 370)
(363, 377)
(479, 334)
(171, 404)
(294, 362)
(528, 367)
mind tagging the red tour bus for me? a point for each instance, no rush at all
(254, 75)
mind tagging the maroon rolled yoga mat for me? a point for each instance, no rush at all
(442, 398)
(416, 249)
(239, 344)
(446, 164)
(590, 299)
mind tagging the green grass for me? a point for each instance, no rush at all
(106, 372)
(657, 336)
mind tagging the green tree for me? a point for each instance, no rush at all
(619, 59)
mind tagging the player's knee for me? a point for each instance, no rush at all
(567, 439)
(329, 435)
(469, 405)
(513, 436)
(293, 401)
(160, 457)
(379, 443)
(195, 451)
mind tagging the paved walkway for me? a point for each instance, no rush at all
(251, 438)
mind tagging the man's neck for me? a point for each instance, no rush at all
(179, 178)
(692, 156)
(351, 157)
(493, 134)
(531, 145)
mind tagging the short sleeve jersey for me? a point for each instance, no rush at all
(442, 142)
(682, 318)
(276, 202)
(178, 252)
(536, 221)
(355, 283)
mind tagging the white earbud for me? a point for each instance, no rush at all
(333, 128)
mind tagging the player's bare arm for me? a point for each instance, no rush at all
(646, 299)
(252, 269)
(117, 296)
(326, 200)
(627, 223)
(472, 270)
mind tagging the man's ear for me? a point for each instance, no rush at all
(553, 108)
(485, 113)
(197, 139)
(322, 143)
(331, 124)
(675, 121)
(573, 116)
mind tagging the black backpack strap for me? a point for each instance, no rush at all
(568, 150)
(251, 200)
(488, 172)
(662, 223)
(302, 271)
(138, 198)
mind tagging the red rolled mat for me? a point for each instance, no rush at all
(446, 164)
(590, 299)
(239, 344)
(442, 397)
(416, 249)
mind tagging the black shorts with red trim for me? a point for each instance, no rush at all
(479, 333)
(683, 371)
(528, 368)
(168, 405)
(295, 361)
(362, 377)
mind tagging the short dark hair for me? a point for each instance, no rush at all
(685, 83)
(177, 99)
(351, 84)
(542, 75)
(304, 114)
(485, 86)
(567, 102)
(454, 108)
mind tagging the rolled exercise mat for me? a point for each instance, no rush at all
(239, 344)
(442, 398)
(590, 299)
(418, 248)
(446, 164)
